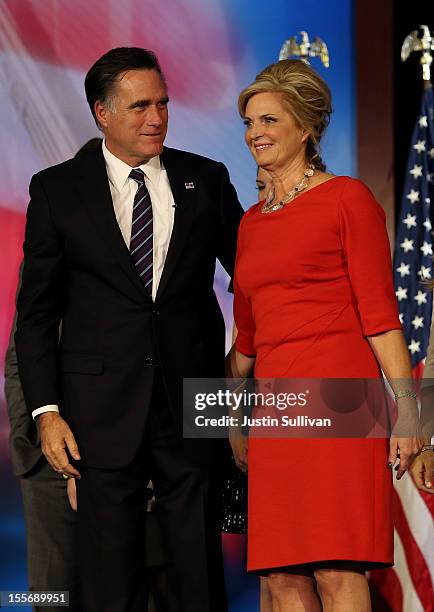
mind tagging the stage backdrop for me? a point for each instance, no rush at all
(209, 50)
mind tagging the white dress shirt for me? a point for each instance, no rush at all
(123, 190)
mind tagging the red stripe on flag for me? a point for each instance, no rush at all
(418, 371)
(386, 591)
(417, 566)
(11, 254)
(428, 499)
(48, 30)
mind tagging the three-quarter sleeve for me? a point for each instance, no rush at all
(244, 321)
(243, 315)
(367, 253)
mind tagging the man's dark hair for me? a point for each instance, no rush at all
(103, 75)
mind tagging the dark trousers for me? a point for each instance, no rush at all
(52, 531)
(112, 524)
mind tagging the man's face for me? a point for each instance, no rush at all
(135, 124)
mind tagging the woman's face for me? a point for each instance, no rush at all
(272, 134)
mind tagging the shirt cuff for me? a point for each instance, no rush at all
(48, 408)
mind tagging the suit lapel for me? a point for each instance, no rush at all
(179, 176)
(95, 191)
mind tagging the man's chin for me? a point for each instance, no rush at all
(153, 151)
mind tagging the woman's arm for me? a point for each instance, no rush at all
(392, 353)
(238, 366)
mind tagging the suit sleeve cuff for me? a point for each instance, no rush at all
(48, 408)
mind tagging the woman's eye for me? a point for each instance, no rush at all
(270, 120)
(247, 123)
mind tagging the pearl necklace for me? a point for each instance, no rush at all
(270, 206)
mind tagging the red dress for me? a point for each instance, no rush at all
(312, 281)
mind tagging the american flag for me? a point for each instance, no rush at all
(408, 586)
(414, 243)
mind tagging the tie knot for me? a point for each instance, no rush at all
(138, 175)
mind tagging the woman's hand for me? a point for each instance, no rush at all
(406, 440)
(239, 444)
(407, 449)
(72, 493)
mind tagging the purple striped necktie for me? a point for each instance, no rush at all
(141, 243)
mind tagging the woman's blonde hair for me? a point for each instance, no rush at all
(305, 94)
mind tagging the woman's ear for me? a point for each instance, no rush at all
(305, 135)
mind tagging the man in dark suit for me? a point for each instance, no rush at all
(121, 245)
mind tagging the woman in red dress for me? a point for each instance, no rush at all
(314, 299)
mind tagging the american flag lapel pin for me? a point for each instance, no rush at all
(189, 185)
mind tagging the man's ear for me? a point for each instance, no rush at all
(101, 113)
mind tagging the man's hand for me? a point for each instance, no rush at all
(72, 493)
(56, 436)
(422, 471)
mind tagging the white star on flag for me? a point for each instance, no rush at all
(401, 318)
(429, 177)
(431, 153)
(414, 347)
(427, 224)
(413, 196)
(416, 171)
(419, 146)
(401, 293)
(407, 245)
(423, 121)
(404, 269)
(426, 248)
(420, 298)
(417, 322)
(428, 200)
(424, 272)
(410, 221)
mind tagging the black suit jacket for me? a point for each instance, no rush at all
(24, 435)
(78, 269)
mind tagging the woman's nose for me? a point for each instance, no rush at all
(255, 131)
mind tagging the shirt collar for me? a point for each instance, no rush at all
(118, 171)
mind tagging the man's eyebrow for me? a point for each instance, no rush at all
(143, 103)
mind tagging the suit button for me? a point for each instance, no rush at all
(155, 311)
(150, 361)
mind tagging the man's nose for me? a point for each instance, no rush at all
(154, 116)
